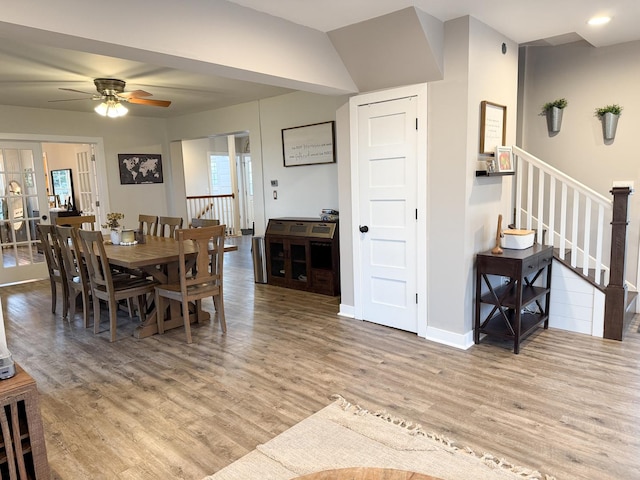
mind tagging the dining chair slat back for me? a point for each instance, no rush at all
(200, 277)
(105, 287)
(75, 270)
(77, 221)
(55, 266)
(167, 226)
(148, 224)
(204, 222)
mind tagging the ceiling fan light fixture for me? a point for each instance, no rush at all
(111, 108)
(117, 110)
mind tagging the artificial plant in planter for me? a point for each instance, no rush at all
(553, 112)
(609, 116)
(113, 223)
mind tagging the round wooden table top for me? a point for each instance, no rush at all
(365, 473)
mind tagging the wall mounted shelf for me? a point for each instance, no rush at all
(484, 173)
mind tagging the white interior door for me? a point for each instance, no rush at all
(387, 177)
(85, 188)
(23, 196)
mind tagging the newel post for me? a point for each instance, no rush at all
(616, 292)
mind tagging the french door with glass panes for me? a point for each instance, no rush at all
(23, 204)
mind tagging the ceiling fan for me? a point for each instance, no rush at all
(111, 92)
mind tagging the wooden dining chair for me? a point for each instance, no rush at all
(77, 221)
(148, 224)
(76, 271)
(55, 266)
(104, 286)
(204, 222)
(167, 226)
(197, 280)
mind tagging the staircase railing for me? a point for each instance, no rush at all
(216, 207)
(573, 215)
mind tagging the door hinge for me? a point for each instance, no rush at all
(97, 203)
(416, 123)
(93, 157)
(416, 213)
(416, 298)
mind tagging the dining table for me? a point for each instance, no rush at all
(157, 257)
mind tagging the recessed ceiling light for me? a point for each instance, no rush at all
(599, 21)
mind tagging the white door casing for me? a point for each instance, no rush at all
(388, 141)
(247, 189)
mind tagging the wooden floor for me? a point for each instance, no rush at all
(157, 408)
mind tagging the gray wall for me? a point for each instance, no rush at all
(588, 78)
(302, 191)
(463, 209)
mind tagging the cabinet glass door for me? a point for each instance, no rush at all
(298, 262)
(277, 259)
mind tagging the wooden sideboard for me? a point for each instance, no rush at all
(509, 317)
(23, 453)
(303, 253)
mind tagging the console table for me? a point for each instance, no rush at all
(507, 318)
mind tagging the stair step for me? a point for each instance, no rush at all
(591, 273)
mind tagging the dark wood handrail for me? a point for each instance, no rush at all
(227, 195)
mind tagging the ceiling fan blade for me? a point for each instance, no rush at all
(76, 91)
(134, 94)
(71, 99)
(148, 101)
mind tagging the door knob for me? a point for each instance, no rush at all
(364, 228)
(44, 217)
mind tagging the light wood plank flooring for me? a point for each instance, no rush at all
(157, 408)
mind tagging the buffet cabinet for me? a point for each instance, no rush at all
(302, 253)
(23, 453)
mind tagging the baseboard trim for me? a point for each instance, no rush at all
(347, 311)
(456, 340)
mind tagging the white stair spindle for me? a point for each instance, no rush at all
(587, 236)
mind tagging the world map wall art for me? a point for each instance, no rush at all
(138, 168)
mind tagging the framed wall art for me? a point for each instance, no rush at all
(504, 160)
(309, 144)
(493, 132)
(139, 168)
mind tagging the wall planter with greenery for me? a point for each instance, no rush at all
(553, 112)
(609, 117)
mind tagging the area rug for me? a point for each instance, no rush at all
(344, 435)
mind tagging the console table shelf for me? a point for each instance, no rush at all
(506, 295)
(497, 327)
(510, 317)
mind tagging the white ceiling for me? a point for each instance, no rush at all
(32, 74)
(520, 20)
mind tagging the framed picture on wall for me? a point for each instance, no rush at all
(504, 160)
(309, 144)
(139, 168)
(493, 130)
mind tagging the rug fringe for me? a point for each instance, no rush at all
(416, 429)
